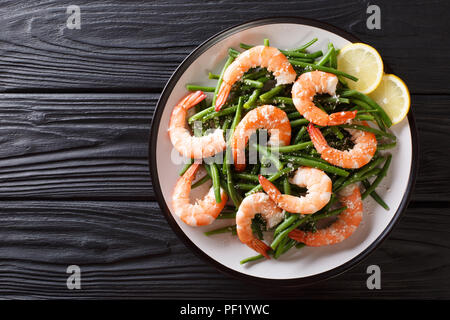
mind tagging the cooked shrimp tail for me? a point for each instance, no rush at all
(338, 118)
(205, 210)
(250, 206)
(259, 247)
(318, 195)
(362, 152)
(303, 92)
(181, 138)
(346, 224)
(258, 56)
(267, 117)
(222, 95)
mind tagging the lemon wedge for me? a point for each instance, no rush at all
(365, 63)
(392, 95)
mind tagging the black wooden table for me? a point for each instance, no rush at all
(75, 113)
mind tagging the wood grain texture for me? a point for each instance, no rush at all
(127, 250)
(95, 146)
(75, 113)
(136, 45)
(75, 146)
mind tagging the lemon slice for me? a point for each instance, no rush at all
(392, 95)
(365, 63)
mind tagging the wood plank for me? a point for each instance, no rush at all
(94, 146)
(75, 146)
(135, 45)
(127, 250)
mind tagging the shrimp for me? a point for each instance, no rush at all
(347, 222)
(362, 152)
(303, 92)
(251, 205)
(267, 117)
(258, 56)
(205, 210)
(180, 136)
(319, 191)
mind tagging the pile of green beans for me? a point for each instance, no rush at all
(257, 88)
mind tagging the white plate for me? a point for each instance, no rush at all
(225, 251)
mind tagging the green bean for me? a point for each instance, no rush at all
(286, 223)
(245, 186)
(246, 176)
(233, 53)
(235, 197)
(221, 113)
(213, 76)
(306, 45)
(227, 215)
(227, 229)
(252, 258)
(193, 87)
(219, 82)
(364, 117)
(269, 154)
(300, 135)
(283, 234)
(296, 54)
(335, 99)
(375, 195)
(285, 248)
(315, 164)
(369, 129)
(186, 167)
(326, 57)
(201, 114)
(254, 83)
(299, 245)
(286, 186)
(200, 182)
(255, 75)
(271, 93)
(385, 146)
(337, 132)
(312, 66)
(272, 178)
(361, 96)
(366, 106)
(293, 147)
(323, 215)
(252, 100)
(294, 115)
(358, 175)
(216, 181)
(333, 57)
(379, 178)
(284, 100)
(299, 122)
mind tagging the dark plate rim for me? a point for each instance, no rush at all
(294, 282)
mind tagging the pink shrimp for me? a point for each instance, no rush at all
(303, 92)
(251, 205)
(362, 152)
(347, 222)
(267, 117)
(258, 56)
(202, 213)
(319, 191)
(181, 138)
